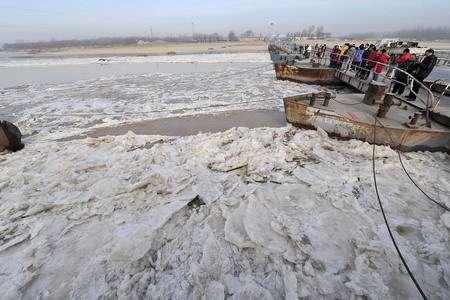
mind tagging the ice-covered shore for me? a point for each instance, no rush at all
(266, 213)
(262, 213)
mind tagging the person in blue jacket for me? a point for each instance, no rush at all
(358, 57)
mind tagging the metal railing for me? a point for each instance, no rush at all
(443, 56)
(411, 81)
(344, 65)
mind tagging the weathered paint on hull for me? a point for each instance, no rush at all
(404, 139)
(305, 74)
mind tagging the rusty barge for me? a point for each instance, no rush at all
(347, 116)
(372, 114)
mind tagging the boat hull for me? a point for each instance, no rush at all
(305, 74)
(404, 139)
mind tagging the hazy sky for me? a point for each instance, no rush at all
(34, 20)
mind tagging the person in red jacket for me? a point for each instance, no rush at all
(381, 59)
(370, 62)
(334, 57)
(404, 56)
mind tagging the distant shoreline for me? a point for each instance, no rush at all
(154, 48)
(167, 48)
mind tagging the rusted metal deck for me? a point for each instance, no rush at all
(348, 117)
(350, 79)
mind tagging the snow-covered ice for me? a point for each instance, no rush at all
(265, 213)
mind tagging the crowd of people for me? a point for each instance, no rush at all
(367, 59)
(307, 51)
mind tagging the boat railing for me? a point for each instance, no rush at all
(324, 58)
(443, 56)
(345, 65)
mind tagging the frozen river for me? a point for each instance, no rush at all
(26, 70)
(249, 213)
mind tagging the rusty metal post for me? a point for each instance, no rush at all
(326, 100)
(374, 92)
(313, 100)
(416, 118)
(384, 107)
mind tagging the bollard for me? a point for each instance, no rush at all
(416, 118)
(326, 101)
(374, 92)
(312, 100)
(384, 107)
(413, 122)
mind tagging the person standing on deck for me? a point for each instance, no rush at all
(348, 60)
(381, 59)
(421, 71)
(308, 51)
(358, 58)
(362, 70)
(334, 57)
(403, 57)
(321, 51)
(400, 77)
(344, 48)
(371, 62)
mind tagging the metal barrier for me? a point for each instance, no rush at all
(391, 70)
(443, 56)
(324, 58)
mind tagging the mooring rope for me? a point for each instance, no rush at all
(407, 173)
(386, 221)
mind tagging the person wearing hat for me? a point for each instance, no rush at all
(421, 71)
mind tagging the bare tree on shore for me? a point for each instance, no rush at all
(247, 34)
(421, 33)
(418, 33)
(232, 37)
(311, 32)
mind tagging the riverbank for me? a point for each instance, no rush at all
(161, 47)
(155, 48)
